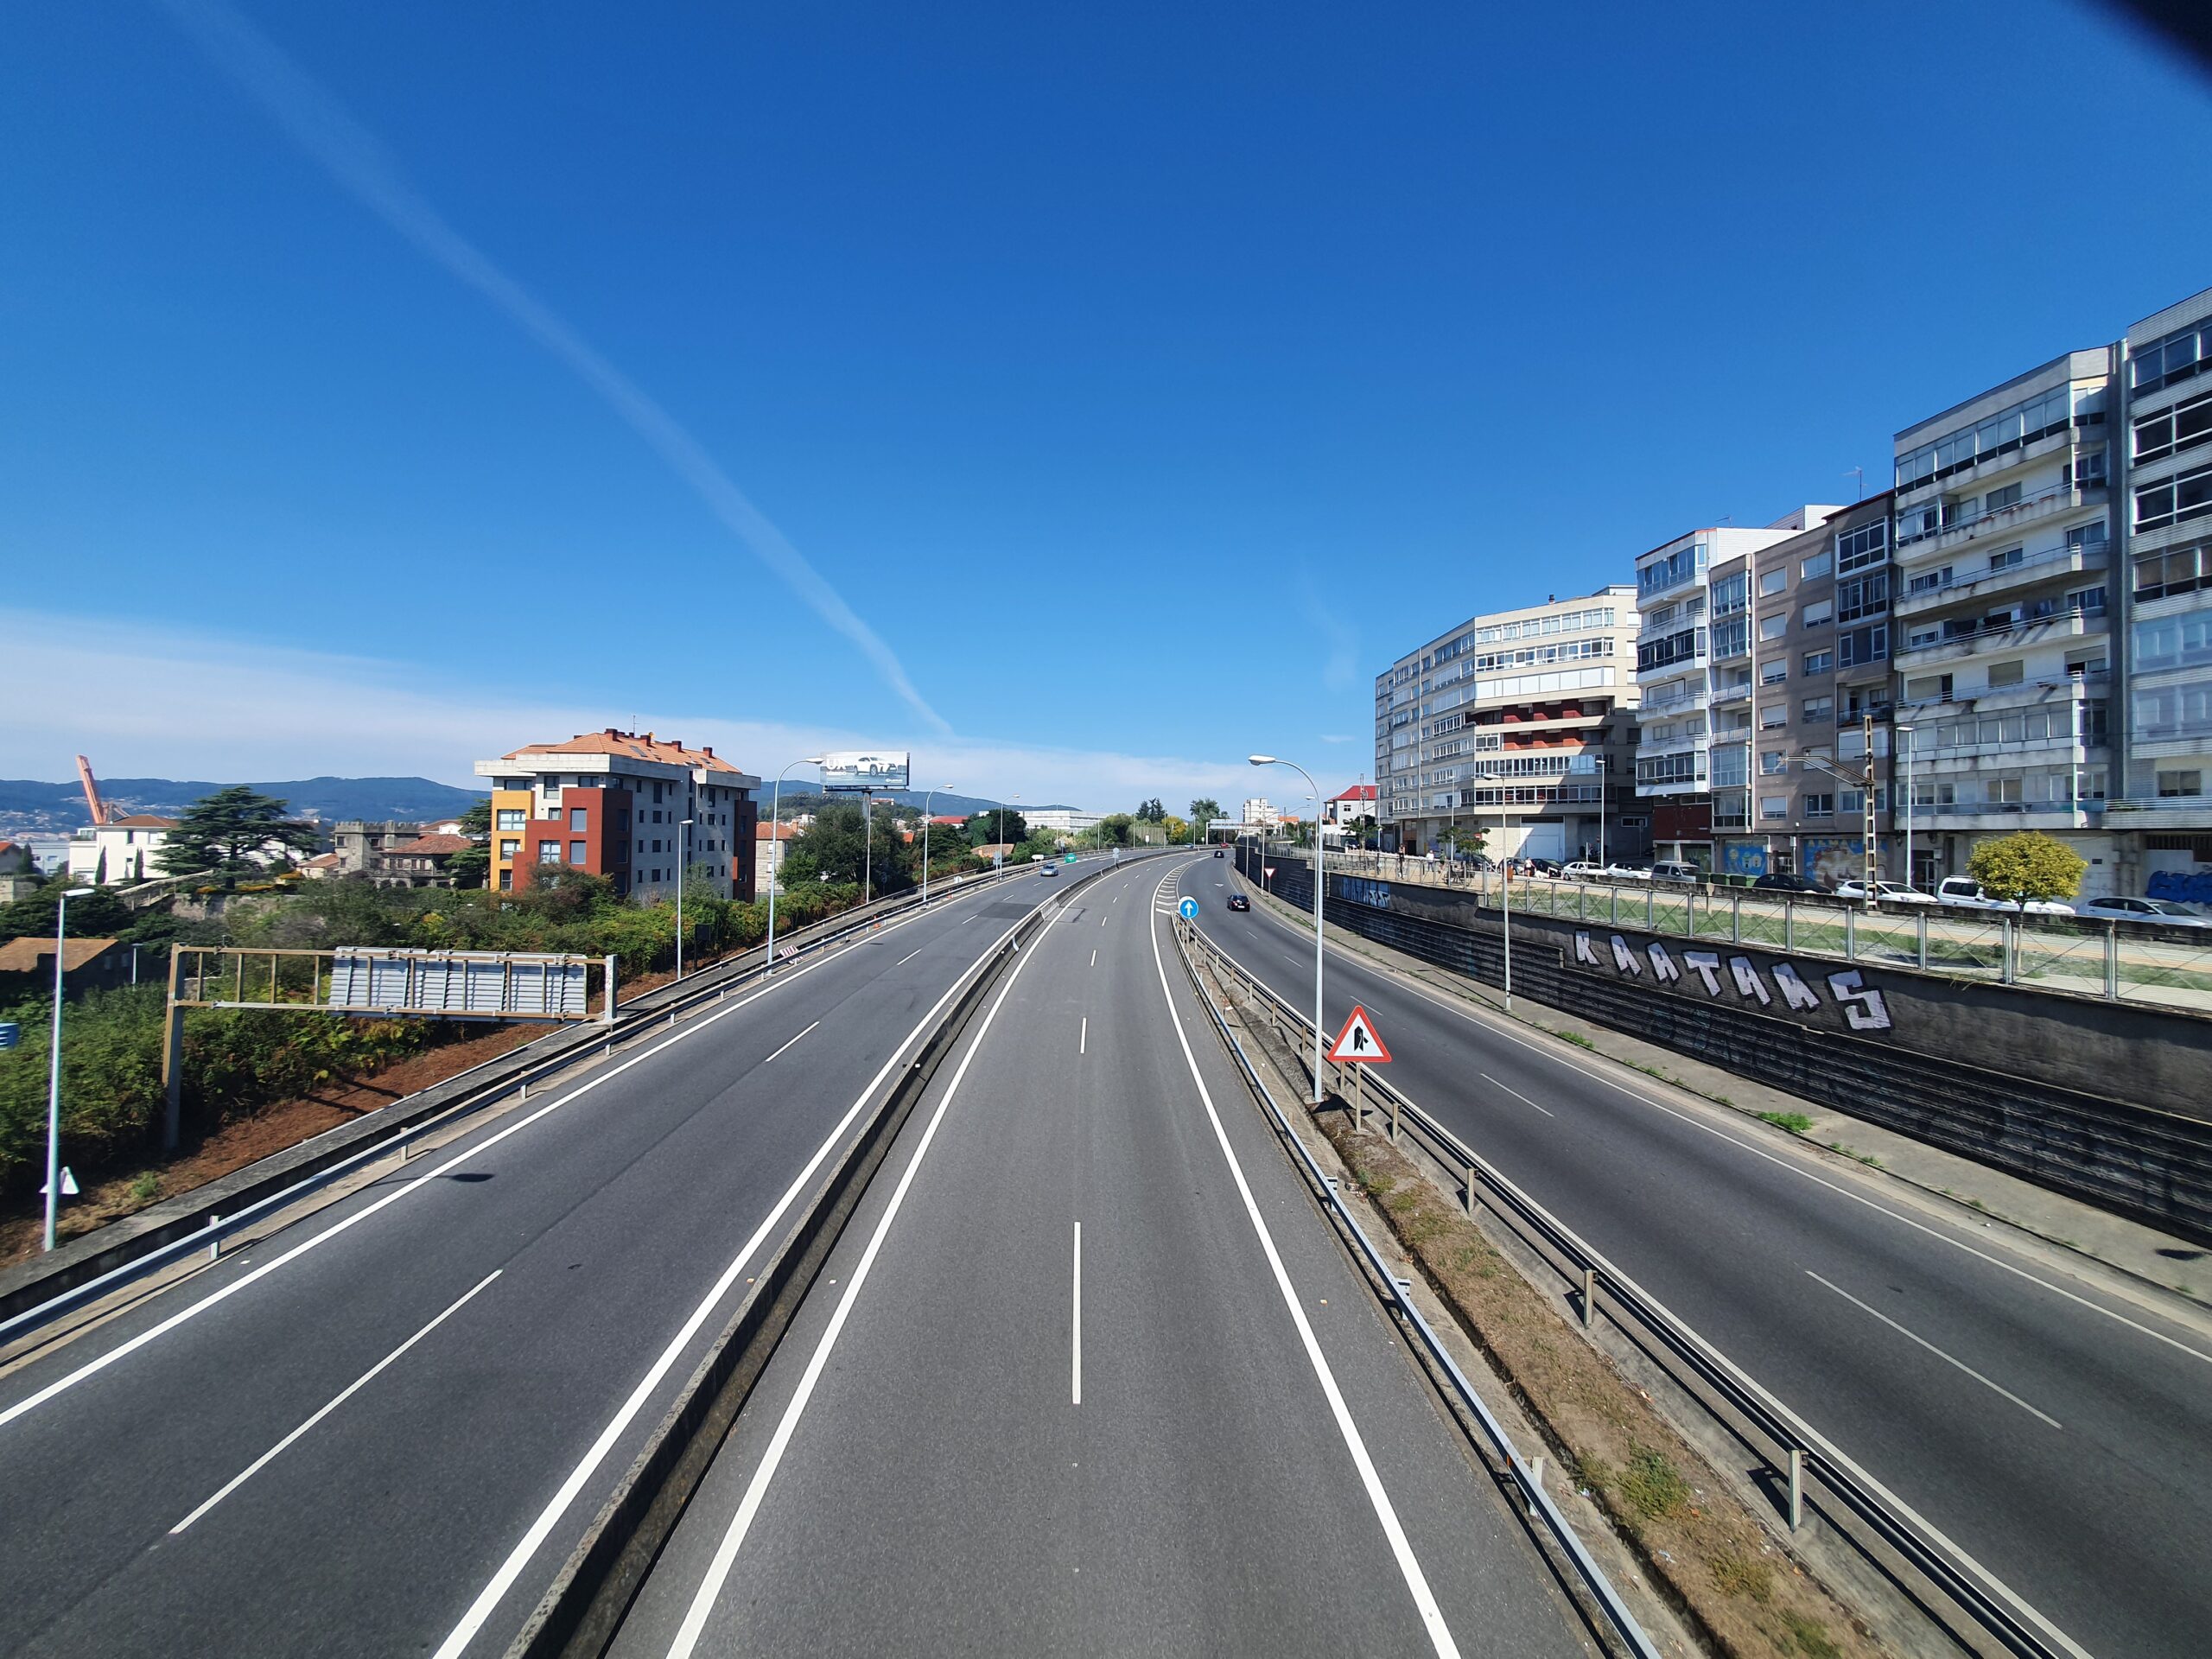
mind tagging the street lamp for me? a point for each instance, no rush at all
(998, 859)
(1319, 881)
(1504, 879)
(775, 854)
(926, 799)
(54, 1074)
(683, 859)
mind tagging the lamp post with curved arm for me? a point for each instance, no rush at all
(775, 855)
(1504, 876)
(1319, 881)
(926, 799)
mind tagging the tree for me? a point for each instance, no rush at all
(473, 867)
(1000, 823)
(1204, 811)
(2029, 866)
(837, 844)
(217, 832)
(1152, 812)
(94, 913)
(1177, 829)
(1114, 829)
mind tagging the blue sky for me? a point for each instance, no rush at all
(1143, 377)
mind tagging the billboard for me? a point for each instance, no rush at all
(865, 772)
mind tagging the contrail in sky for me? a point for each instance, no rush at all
(321, 125)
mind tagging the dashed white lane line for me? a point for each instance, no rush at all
(1515, 1093)
(337, 1400)
(909, 957)
(1910, 1336)
(770, 1060)
(1075, 1322)
(1082, 1037)
(1094, 958)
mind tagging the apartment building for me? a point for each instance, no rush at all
(1676, 684)
(615, 802)
(1800, 646)
(2005, 525)
(2162, 826)
(1519, 721)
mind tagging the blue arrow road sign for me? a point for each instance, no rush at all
(1188, 910)
(10, 1033)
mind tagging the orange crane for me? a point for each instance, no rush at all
(91, 790)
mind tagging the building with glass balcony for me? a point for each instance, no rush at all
(2004, 524)
(1518, 721)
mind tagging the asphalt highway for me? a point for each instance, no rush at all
(1089, 1373)
(381, 1429)
(2062, 1435)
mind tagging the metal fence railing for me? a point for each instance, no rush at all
(2114, 961)
(1981, 1608)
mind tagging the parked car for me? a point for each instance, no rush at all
(1583, 870)
(1886, 893)
(1674, 870)
(1619, 871)
(1964, 893)
(1782, 881)
(1216, 852)
(1544, 867)
(1238, 901)
(2159, 912)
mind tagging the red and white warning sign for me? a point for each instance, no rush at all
(1358, 1040)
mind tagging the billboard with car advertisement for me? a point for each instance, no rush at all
(866, 771)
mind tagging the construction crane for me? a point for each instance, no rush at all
(91, 790)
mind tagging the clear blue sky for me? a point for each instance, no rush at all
(1236, 349)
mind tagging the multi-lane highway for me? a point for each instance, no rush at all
(1088, 1373)
(382, 1428)
(2062, 1435)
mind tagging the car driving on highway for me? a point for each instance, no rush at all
(1238, 901)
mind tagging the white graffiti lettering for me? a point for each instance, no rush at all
(1663, 972)
(1863, 1006)
(1795, 993)
(1706, 966)
(1583, 950)
(1625, 959)
(1748, 982)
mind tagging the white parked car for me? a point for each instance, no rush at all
(2157, 912)
(1886, 893)
(1583, 870)
(1628, 872)
(1964, 893)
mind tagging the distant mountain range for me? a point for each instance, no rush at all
(941, 805)
(27, 805)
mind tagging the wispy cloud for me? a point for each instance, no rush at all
(1340, 659)
(154, 702)
(352, 156)
(1333, 737)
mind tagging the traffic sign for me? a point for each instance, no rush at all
(10, 1033)
(1188, 910)
(68, 1184)
(1358, 1042)
(1070, 859)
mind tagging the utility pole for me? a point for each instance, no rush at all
(1866, 800)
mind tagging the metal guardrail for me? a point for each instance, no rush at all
(517, 1072)
(1527, 1476)
(1863, 1509)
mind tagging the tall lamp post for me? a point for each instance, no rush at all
(929, 796)
(775, 854)
(683, 859)
(53, 1075)
(1505, 880)
(1319, 881)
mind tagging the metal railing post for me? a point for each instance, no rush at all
(1851, 936)
(2112, 962)
(1651, 908)
(1589, 1296)
(2005, 944)
(1735, 918)
(1921, 938)
(1789, 924)
(1796, 1488)
(1613, 913)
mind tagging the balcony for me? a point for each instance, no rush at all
(2064, 625)
(1976, 584)
(2011, 815)
(2006, 521)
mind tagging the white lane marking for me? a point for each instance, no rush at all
(770, 1060)
(340, 1399)
(1082, 1037)
(1515, 1093)
(1102, 920)
(1094, 958)
(1933, 1349)
(1075, 1320)
(718, 1570)
(1118, 897)
(489, 1598)
(965, 921)
(1941, 1237)
(909, 957)
(1431, 1616)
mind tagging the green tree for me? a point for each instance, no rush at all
(1204, 811)
(94, 913)
(1152, 812)
(1114, 829)
(2026, 866)
(837, 844)
(218, 831)
(473, 867)
(986, 829)
(1177, 829)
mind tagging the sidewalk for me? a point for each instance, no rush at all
(2154, 1268)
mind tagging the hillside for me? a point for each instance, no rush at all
(28, 804)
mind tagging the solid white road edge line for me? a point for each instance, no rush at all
(1431, 1616)
(1515, 1093)
(1911, 1336)
(518, 1558)
(718, 1570)
(770, 1060)
(1075, 1320)
(337, 1400)
(1492, 1026)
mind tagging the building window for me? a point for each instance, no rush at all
(1773, 582)
(2174, 641)
(1867, 645)
(2174, 500)
(1818, 565)
(1773, 672)
(1817, 613)
(2175, 785)
(1773, 714)
(1774, 809)
(2175, 570)
(2184, 426)
(1819, 662)
(2176, 357)
(507, 880)
(510, 817)
(549, 852)
(2007, 673)
(577, 819)
(1819, 711)
(507, 851)
(2040, 416)
(1773, 763)
(1997, 500)
(1773, 627)
(1862, 596)
(1820, 806)
(1865, 545)
(2008, 558)
(578, 854)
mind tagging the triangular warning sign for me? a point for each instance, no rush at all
(68, 1184)
(1358, 1040)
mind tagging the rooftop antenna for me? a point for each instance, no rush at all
(1859, 489)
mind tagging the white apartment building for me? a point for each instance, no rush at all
(120, 852)
(1516, 725)
(1259, 810)
(2003, 648)
(2164, 826)
(1680, 700)
(1062, 820)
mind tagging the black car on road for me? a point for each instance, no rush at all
(1238, 901)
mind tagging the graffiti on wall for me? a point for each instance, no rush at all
(1362, 890)
(1863, 1007)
